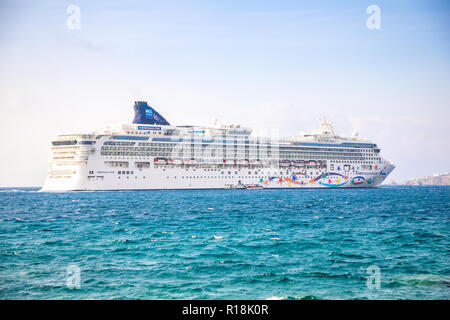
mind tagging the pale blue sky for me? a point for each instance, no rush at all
(277, 64)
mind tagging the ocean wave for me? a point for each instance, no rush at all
(419, 280)
(320, 274)
(25, 190)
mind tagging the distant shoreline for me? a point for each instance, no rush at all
(434, 180)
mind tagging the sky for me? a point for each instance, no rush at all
(270, 65)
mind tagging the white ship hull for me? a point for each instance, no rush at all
(169, 177)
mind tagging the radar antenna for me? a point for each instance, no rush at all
(326, 127)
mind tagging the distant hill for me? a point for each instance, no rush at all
(390, 183)
(434, 180)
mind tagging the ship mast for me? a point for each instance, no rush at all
(327, 128)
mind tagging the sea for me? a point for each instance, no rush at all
(378, 243)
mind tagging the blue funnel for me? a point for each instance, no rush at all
(144, 114)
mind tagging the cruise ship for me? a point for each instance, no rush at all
(150, 153)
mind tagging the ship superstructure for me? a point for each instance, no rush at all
(152, 154)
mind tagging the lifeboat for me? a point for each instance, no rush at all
(160, 160)
(285, 163)
(229, 162)
(311, 163)
(255, 162)
(176, 161)
(299, 163)
(242, 162)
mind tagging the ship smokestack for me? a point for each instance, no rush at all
(145, 114)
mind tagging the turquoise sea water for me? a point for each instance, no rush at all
(230, 244)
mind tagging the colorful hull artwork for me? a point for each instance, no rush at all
(327, 179)
(371, 180)
(358, 180)
(361, 180)
(333, 184)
